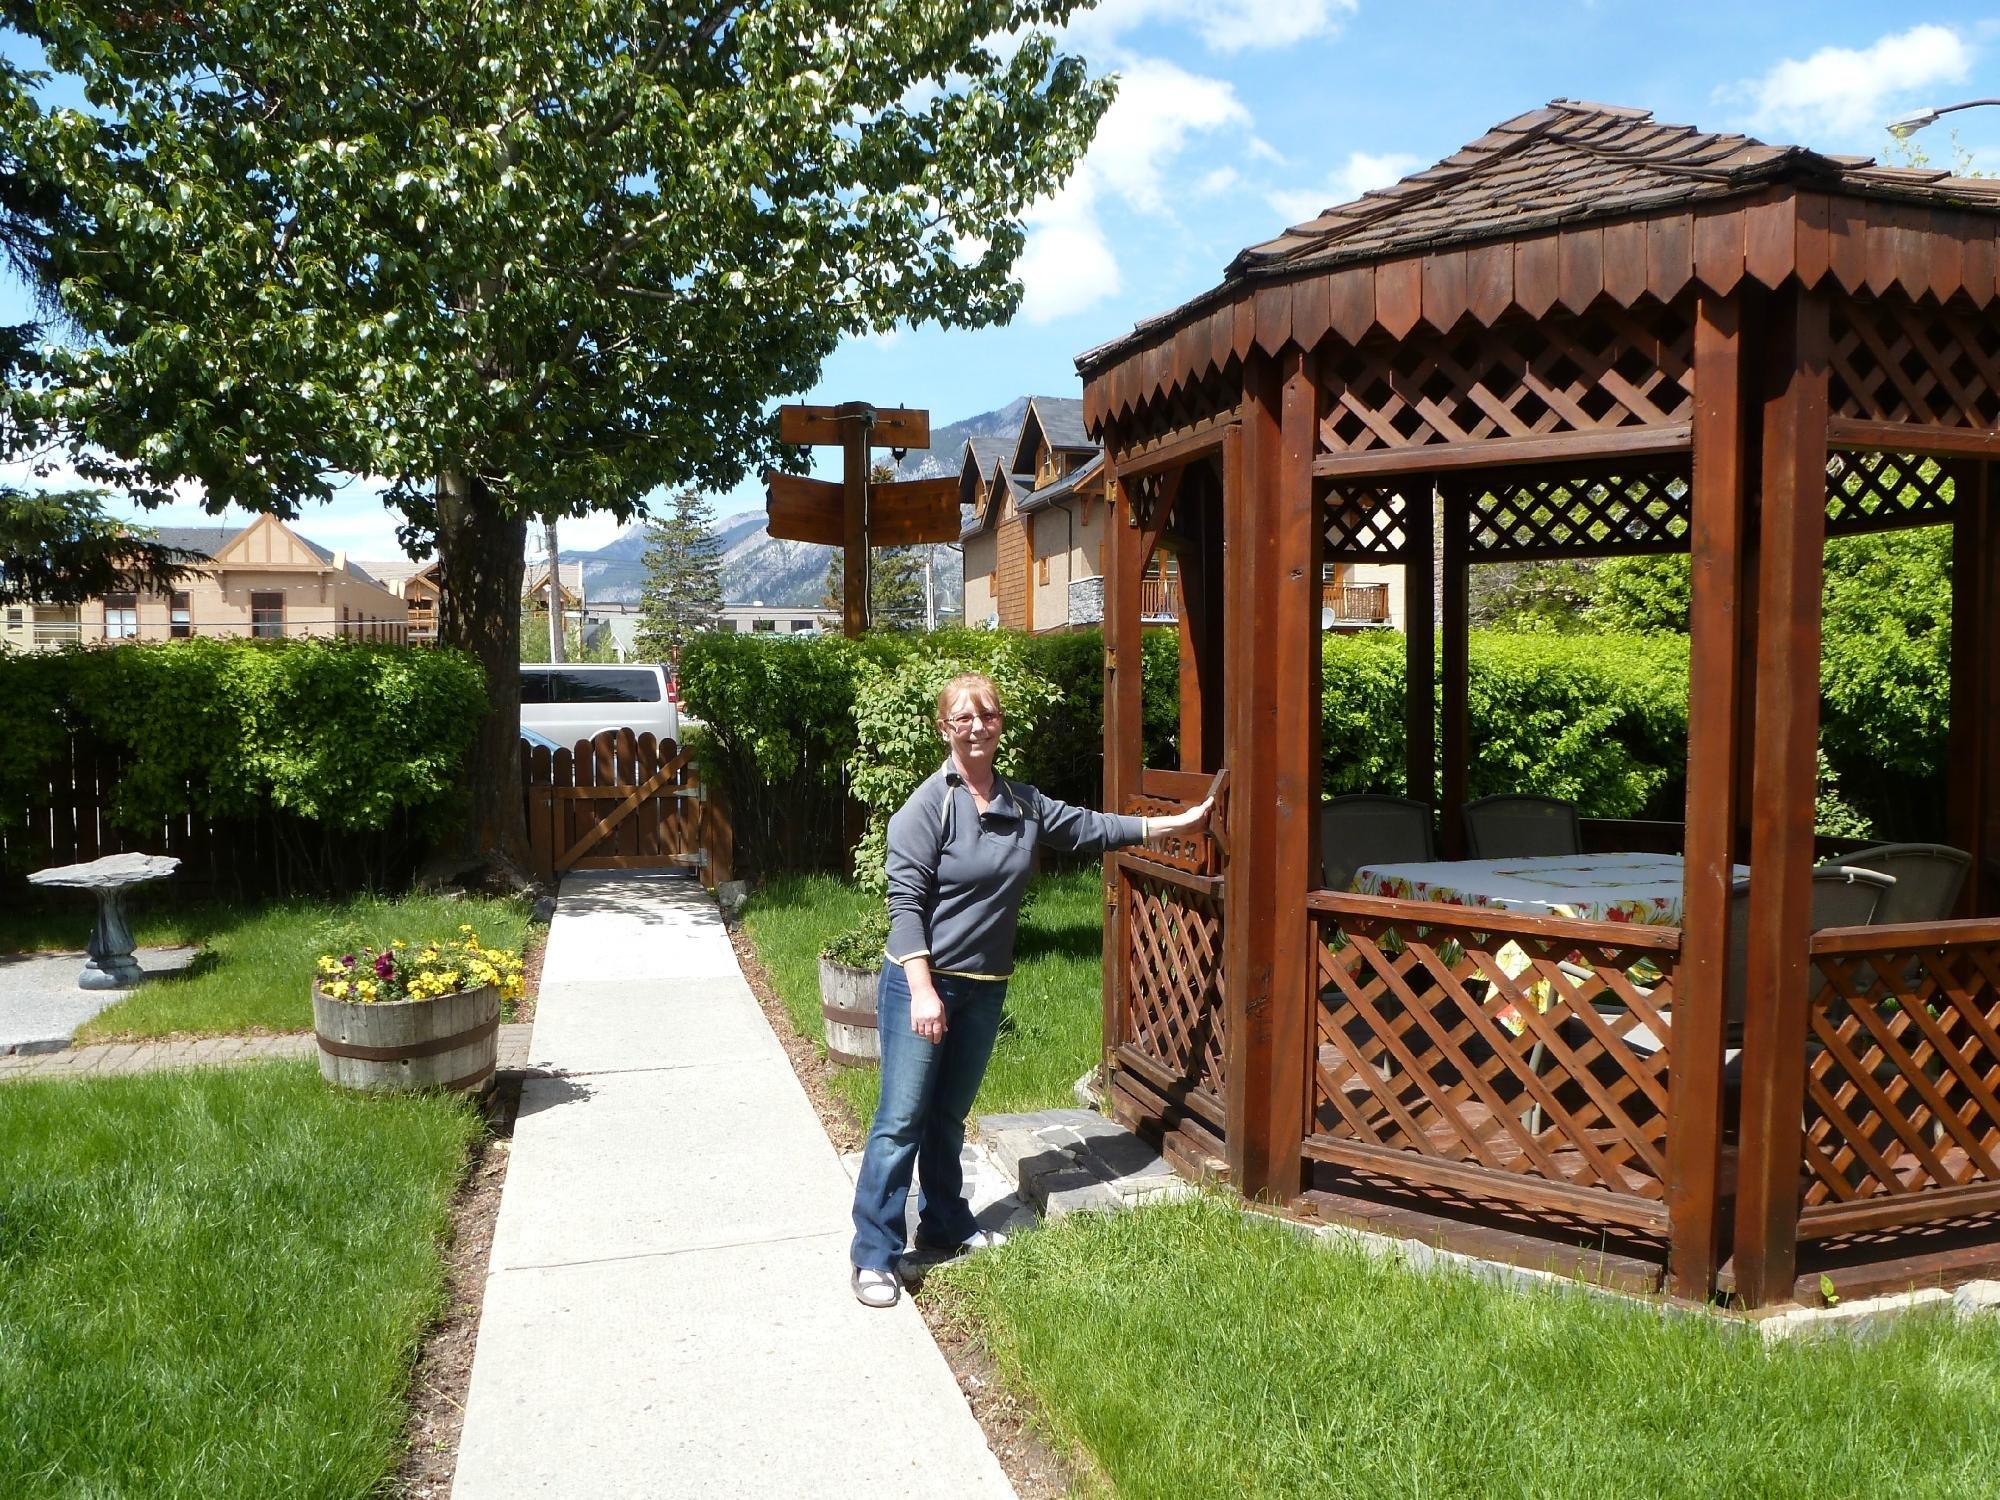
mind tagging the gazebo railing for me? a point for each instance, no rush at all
(1498, 1055)
(1902, 1107)
(1167, 1073)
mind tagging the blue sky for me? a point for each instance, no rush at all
(1237, 117)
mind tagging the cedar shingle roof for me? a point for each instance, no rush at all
(1573, 162)
(1570, 162)
(206, 540)
(1061, 489)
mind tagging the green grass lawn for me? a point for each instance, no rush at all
(212, 1284)
(255, 970)
(1194, 1353)
(1054, 1012)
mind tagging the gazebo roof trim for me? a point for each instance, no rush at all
(1568, 163)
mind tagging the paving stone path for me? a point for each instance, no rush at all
(109, 1058)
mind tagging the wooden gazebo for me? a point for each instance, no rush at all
(1584, 334)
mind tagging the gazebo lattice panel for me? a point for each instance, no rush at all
(1365, 522)
(1903, 1087)
(1883, 491)
(1485, 1048)
(1553, 516)
(1174, 974)
(1615, 368)
(1894, 360)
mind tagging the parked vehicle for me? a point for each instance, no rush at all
(578, 700)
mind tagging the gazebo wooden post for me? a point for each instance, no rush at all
(1455, 744)
(1719, 523)
(1793, 525)
(1123, 727)
(1420, 646)
(1974, 775)
(1272, 594)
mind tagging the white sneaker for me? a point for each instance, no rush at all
(876, 1288)
(979, 1239)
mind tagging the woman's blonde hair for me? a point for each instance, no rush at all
(974, 684)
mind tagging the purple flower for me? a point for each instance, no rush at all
(385, 965)
(347, 960)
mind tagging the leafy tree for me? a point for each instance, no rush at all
(62, 549)
(895, 587)
(682, 594)
(535, 640)
(1641, 594)
(523, 258)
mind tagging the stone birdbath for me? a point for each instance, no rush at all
(110, 965)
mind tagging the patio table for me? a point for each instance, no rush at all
(1590, 887)
(1618, 887)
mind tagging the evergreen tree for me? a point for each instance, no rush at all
(682, 594)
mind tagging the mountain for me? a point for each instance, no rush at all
(757, 568)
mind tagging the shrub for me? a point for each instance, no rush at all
(777, 731)
(317, 738)
(895, 718)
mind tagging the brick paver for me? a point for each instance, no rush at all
(206, 1052)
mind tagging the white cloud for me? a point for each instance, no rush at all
(1219, 181)
(1361, 171)
(1223, 25)
(1068, 263)
(1846, 91)
(1159, 106)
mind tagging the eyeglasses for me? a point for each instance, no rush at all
(963, 722)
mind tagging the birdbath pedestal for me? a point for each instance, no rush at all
(110, 965)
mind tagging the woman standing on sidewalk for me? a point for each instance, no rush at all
(959, 855)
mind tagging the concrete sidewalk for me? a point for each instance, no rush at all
(667, 1310)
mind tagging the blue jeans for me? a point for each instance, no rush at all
(927, 1090)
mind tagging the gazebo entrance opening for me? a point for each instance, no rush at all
(1702, 345)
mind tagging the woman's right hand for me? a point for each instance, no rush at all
(927, 1016)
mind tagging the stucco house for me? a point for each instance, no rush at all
(264, 580)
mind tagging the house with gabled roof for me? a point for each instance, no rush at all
(1033, 541)
(262, 580)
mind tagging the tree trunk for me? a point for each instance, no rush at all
(481, 557)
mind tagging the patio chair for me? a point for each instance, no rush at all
(1517, 826)
(1367, 828)
(1928, 878)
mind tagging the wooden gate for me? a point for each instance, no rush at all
(622, 802)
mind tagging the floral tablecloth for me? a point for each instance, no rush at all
(1592, 887)
(1644, 888)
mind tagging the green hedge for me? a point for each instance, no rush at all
(1599, 720)
(779, 724)
(319, 741)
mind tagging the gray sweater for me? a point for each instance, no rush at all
(956, 874)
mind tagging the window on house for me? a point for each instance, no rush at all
(14, 618)
(180, 616)
(798, 625)
(267, 615)
(764, 626)
(121, 617)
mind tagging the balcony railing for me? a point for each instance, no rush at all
(1355, 603)
(1340, 603)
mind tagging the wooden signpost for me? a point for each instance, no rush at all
(853, 514)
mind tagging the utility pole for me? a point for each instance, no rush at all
(555, 594)
(930, 594)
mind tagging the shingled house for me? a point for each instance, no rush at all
(262, 580)
(1034, 541)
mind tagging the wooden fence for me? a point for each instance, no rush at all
(623, 802)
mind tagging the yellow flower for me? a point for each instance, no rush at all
(338, 989)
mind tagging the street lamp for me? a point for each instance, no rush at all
(1902, 129)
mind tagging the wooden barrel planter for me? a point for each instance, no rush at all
(847, 1010)
(451, 1042)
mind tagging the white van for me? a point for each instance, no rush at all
(578, 701)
